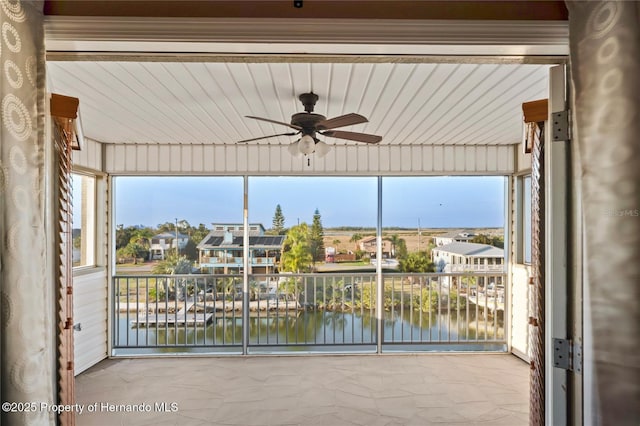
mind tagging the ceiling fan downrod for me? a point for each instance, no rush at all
(308, 101)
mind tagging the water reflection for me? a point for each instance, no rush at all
(317, 327)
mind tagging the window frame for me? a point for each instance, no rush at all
(89, 222)
(523, 219)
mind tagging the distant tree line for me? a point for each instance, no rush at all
(135, 241)
(492, 240)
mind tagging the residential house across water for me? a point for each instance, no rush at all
(162, 244)
(470, 257)
(221, 251)
(369, 246)
(452, 237)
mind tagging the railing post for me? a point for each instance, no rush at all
(380, 283)
(115, 312)
(245, 266)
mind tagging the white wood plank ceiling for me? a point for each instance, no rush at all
(205, 102)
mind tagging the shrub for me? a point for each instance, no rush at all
(426, 300)
(455, 301)
(154, 295)
(368, 296)
(369, 293)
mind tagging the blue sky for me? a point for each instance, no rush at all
(437, 202)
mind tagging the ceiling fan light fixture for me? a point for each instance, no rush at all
(294, 149)
(306, 145)
(322, 149)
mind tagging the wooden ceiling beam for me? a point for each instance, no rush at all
(549, 10)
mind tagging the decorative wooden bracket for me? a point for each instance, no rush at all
(534, 112)
(64, 110)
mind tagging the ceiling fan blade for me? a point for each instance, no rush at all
(270, 136)
(341, 121)
(353, 136)
(293, 126)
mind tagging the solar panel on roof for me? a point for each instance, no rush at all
(263, 240)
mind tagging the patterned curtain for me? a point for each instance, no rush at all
(26, 285)
(605, 65)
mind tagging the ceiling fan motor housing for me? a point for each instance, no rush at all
(307, 120)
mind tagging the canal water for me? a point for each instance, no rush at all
(313, 328)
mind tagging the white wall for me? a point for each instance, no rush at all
(90, 311)
(90, 285)
(523, 161)
(520, 311)
(90, 156)
(519, 291)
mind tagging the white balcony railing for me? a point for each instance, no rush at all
(199, 312)
(237, 261)
(474, 268)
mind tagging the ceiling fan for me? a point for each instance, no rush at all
(309, 124)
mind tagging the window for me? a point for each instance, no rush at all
(84, 219)
(415, 208)
(523, 220)
(526, 231)
(149, 211)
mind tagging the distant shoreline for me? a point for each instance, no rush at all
(341, 230)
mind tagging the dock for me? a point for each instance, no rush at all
(186, 316)
(488, 302)
(200, 314)
(189, 319)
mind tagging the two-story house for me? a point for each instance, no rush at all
(162, 244)
(369, 246)
(221, 251)
(465, 257)
(470, 258)
(452, 237)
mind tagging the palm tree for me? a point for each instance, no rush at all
(174, 265)
(296, 252)
(355, 237)
(290, 287)
(396, 243)
(416, 262)
(141, 237)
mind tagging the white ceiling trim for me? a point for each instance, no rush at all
(306, 36)
(275, 160)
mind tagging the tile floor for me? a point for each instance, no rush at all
(438, 389)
